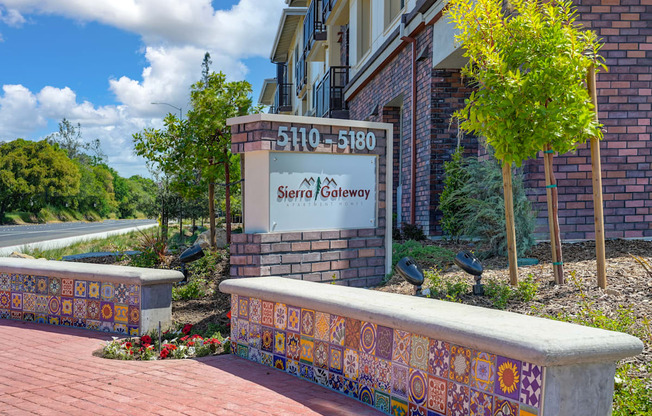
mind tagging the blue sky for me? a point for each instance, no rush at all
(101, 63)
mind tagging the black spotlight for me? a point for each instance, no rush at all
(466, 261)
(411, 272)
(189, 255)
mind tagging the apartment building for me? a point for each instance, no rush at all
(395, 61)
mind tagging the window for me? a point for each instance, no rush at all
(364, 27)
(392, 9)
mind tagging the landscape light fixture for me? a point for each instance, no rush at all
(409, 270)
(466, 261)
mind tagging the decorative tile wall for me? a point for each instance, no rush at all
(397, 372)
(101, 306)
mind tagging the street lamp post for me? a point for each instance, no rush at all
(173, 106)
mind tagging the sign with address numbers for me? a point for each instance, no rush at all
(353, 139)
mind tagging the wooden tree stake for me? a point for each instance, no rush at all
(509, 224)
(553, 216)
(596, 173)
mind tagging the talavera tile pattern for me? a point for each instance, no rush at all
(100, 306)
(397, 372)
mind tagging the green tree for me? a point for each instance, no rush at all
(33, 172)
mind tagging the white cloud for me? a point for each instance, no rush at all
(18, 112)
(11, 17)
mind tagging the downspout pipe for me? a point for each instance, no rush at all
(413, 171)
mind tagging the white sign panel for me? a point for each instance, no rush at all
(319, 191)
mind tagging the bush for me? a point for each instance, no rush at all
(501, 293)
(412, 232)
(446, 289)
(426, 256)
(452, 201)
(194, 289)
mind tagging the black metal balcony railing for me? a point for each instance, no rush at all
(327, 7)
(282, 99)
(301, 73)
(329, 92)
(313, 27)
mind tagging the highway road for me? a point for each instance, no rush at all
(17, 235)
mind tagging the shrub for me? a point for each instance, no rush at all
(412, 232)
(426, 256)
(194, 289)
(450, 289)
(452, 201)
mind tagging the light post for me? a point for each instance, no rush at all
(173, 106)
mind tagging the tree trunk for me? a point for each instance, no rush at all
(553, 216)
(509, 224)
(180, 228)
(211, 213)
(227, 177)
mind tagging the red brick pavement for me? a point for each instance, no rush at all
(50, 370)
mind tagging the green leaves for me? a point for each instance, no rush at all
(529, 65)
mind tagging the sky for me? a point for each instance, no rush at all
(102, 63)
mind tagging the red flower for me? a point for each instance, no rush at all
(184, 338)
(145, 339)
(128, 345)
(196, 337)
(228, 315)
(191, 343)
(164, 353)
(186, 329)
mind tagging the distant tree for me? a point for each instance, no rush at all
(69, 138)
(31, 173)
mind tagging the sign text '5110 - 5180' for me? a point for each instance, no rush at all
(356, 140)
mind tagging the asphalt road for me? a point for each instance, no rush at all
(13, 235)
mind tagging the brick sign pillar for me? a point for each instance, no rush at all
(315, 199)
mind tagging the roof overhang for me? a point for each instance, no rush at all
(290, 20)
(267, 92)
(297, 3)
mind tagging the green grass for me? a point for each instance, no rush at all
(426, 256)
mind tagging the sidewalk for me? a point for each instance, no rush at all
(50, 370)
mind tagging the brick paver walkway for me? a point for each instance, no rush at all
(51, 371)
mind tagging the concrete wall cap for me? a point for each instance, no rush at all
(87, 271)
(536, 340)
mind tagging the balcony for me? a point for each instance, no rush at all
(327, 7)
(329, 94)
(313, 28)
(301, 75)
(282, 99)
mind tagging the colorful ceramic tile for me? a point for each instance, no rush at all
(106, 311)
(366, 395)
(267, 317)
(255, 310)
(79, 323)
(307, 322)
(234, 331)
(267, 339)
(366, 370)
(134, 315)
(481, 403)
(56, 320)
(134, 295)
(93, 291)
(17, 283)
(351, 388)
(382, 402)
(292, 367)
(383, 375)
(293, 346)
(433, 413)
(417, 386)
(39, 318)
(457, 400)
(352, 333)
(41, 304)
(17, 315)
(336, 382)
(279, 342)
(503, 407)
(243, 331)
(108, 292)
(17, 301)
(119, 328)
(243, 307)
(437, 393)
(320, 354)
(255, 355)
(42, 285)
(29, 316)
(93, 309)
(438, 358)
(279, 362)
(134, 331)
(92, 324)
(254, 335)
(80, 288)
(399, 407)
(5, 314)
(336, 356)
(280, 316)
(414, 410)
(121, 293)
(234, 305)
(54, 286)
(384, 342)
(29, 284)
(400, 379)
(67, 287)
(321, 376)
(338, 329)
(525, 410)
(5, 299)
(508, 377)
(294, 319)
(307, 348)
(243, 352)
(483, 371)
(5, 282)
(419, 352)
(323, 326)
(54, 305)
(306, 372)
(531, 384)
(351, 364)
(66, 307)
(29, 302)
(368, 337)
(460, 364)
(69, 321)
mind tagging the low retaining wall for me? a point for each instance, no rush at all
(407, 355)
(126, 300)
